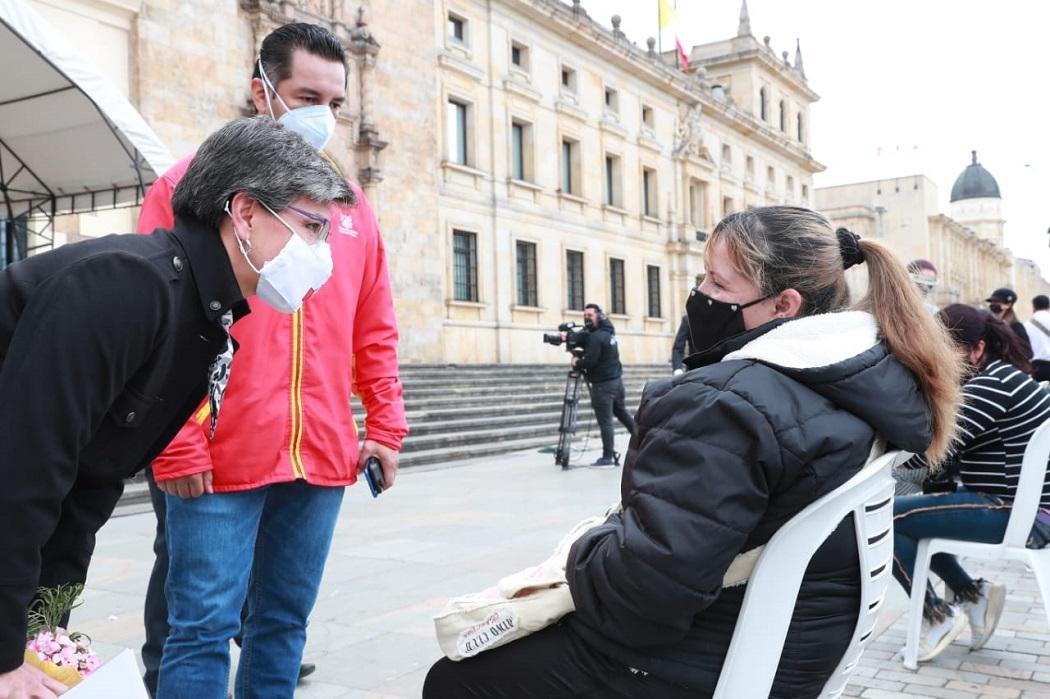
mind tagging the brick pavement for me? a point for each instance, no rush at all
(457, 529)
(1015, 663)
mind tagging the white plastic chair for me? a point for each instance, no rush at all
(769, 602)
(1012, 547)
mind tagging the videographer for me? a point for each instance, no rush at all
(600, 364)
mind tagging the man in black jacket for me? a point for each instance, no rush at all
(109, 345)
(600, 363)
(683, 344)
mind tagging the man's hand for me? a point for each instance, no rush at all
(192, 486)
(26, 682)
(387, 458)
(572, 362)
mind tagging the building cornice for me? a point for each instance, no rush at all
(580, 29)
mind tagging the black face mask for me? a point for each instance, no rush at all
(995, 308)
(712, 321)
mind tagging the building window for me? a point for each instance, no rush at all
(574, 280)
(613, 194)
(649, 207)
(805, 194)
(750, 168)
(612, 100)
(783, 116)
(727, 206)
(801, 129)
(697, 197)
(763, 104)
(457, 28)
(789, 185)
(464, 266)
(526, 256)
(617, 287)
(570, 166)
(521, 151)
(568, 79)
(519, 55)
(458, 113)
(727, 158)
(652, 275)
(648, 119)
(771, 178)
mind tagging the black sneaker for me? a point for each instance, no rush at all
(305, 670)
(605, 462)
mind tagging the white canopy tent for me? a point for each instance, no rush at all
(69, 141)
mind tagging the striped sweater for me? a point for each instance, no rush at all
(1002, 408)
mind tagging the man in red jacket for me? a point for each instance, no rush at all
(250, 506)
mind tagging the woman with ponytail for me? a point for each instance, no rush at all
(786, 394)
(1002, 408)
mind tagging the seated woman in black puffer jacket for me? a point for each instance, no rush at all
(782, 403)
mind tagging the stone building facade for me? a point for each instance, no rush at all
(966, 247)
(523, 157)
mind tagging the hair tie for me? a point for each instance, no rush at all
(849, 247)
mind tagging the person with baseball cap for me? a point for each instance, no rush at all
(1001, 304)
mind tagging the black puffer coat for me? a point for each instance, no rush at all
(723, 456)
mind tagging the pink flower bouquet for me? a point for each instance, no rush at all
(64, 656)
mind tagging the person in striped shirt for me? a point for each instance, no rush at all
(1002, 407)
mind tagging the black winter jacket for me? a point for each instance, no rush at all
(723, 456)
(601, 355)
(104, 353)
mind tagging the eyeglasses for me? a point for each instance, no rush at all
(318, 226)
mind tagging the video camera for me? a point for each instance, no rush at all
(571, 334)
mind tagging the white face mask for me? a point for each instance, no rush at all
(299, 267)
(315, 123)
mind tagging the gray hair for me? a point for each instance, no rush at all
(258, 156)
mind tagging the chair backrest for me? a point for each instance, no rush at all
(1029, 487)
(769, 602)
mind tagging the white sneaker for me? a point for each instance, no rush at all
(985, 612)
(936, 637)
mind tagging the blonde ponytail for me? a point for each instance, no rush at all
(917, 339)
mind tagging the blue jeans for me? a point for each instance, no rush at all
(964, 515)
(266, 545)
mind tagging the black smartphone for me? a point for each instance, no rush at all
(374, 476)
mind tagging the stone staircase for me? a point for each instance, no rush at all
(462, 412)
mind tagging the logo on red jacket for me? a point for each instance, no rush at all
(346, 227)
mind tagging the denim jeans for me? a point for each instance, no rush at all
(964, 515)
(266, 545)
(155, 609)
(608, 398)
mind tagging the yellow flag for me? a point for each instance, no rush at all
(667, 13)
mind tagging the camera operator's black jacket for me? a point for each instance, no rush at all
(723, 456)
(601, 354)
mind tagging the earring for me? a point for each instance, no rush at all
(248, 246)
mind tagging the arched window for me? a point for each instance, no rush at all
(801, 129)
(763, 104)
(783, 116)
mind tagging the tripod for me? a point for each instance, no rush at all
(567, 427)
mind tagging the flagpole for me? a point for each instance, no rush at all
(659, 27)
(676, 62)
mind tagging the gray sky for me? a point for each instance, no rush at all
(925, 81)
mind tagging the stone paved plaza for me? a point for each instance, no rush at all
(456, 529)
